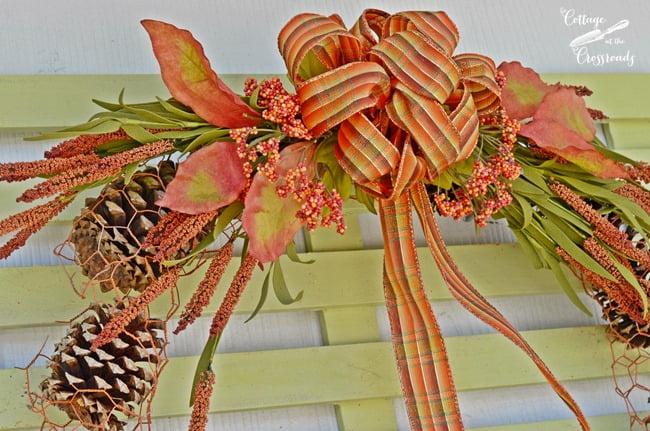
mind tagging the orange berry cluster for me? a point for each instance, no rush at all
(500, 78)
(319, 207)
(282, 107)
(487, 189)
(264, 155)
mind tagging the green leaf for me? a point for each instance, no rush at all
(530, 249)
(536, 231)
(116, 146)
(184, 134)
(293, 255)
(364, 198)
(129, 170)
(533, 175)
(547, 206)
(573, 250)
(630, 278)
(280, 286)
(88, 186)
(263, 294)
(206, 138)
(311, 66)
(139, 133)
(526, 237)
(521, 186)
(228, 215)
(244, 250)
(94, 127)
(252, 101)
(526, 209)
(565, 285)
(146, 114)
(571, 231)
(108, 105)
(343, 184)
(444, 180)
(205, 360)
(177, 111)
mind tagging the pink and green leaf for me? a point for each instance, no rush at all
(524, 90)
(209, 179)
(269, 220)
(564, 106)
(187, 74)
(556, 138)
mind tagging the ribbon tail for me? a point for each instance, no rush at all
(422, 361)
(474, 302)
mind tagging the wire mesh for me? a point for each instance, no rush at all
(108, 239)
(630, 383)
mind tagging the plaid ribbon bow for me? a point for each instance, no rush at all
(406, 109)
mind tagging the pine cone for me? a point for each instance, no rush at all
(635, 334)
(109, 233)
(621, 324)
(103, 388)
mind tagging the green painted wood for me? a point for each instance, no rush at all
(51, 101)
(598, 423)
(637, 153)
(629, 133)
(336, 374)
(55, 101)
(36, 296)
(366, 415)
(349, 325)
(618, 95)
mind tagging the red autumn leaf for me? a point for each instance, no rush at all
(556, 138)
(189, 78)
(269, 220)
(567, 108)
(524, 90)
(209, 179)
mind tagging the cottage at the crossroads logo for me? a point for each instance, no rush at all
(597, 41)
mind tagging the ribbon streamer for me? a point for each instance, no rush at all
(406, 109)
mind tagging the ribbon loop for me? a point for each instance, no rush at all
(437, 27)
(478, 73)
(305, 32)
(330, 98)
(422, 67)
(368, 27)
(361, 144)
(401, 64)
(428, 124)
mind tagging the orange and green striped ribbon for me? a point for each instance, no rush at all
(422, 361)
(406, 108)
